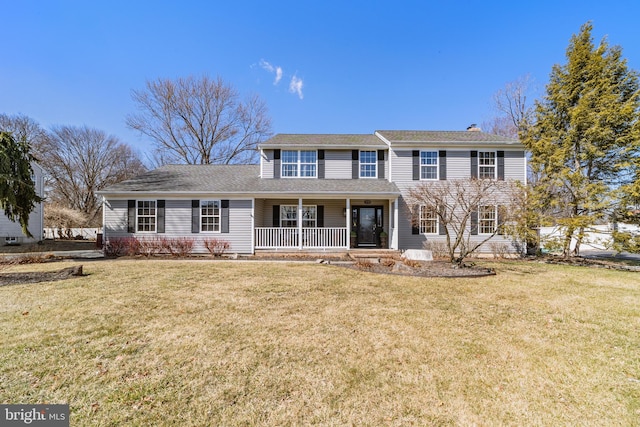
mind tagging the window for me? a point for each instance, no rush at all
(487, 219)
(368, 163)
(146, 218)
(428, 220)
(289, 216)
(210, 215)
(428, 165)
(299, 164)
(487, 164)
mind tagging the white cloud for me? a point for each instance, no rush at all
(272, 69)
(296, 85)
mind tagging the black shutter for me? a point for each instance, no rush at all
(500, 220)
(443, 164)
(355, 164)
(442, 228)
(474, 223)
(501, 165)
(320, 216)
(380, 164)
(474, 164)
(131, 216)
(276, 216)
(416, 165)
(195, 216)
(224, 216)
(160, 216)
(276, 163)
(415, 220)
(320, 164)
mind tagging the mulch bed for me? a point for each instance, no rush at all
(421, 268)
(40, 276)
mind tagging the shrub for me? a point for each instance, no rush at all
(364, 264)
(387, 262)
(216, 247)
(122, 246)
(180, 246)
(150, 247)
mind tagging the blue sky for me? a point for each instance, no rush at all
(346, 66)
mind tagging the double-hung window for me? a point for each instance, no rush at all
(210, 215)
(428, 220)
(487, 219)
(487, 164)
(289, 216)
(368, 164)
(299, 163)
(146, 217)
(428, 165)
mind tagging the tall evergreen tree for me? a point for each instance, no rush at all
(584, 141)
(17, 189)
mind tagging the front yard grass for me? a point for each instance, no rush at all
(163, 342)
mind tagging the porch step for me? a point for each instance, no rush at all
(371, 254)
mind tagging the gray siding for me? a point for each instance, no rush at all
(178, 224)
(337, 164)
(13, 229)
(515, 165)
(267, 164)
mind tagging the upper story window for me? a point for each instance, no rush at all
(289, 215)
(428, 220)
(428, 165)
(299, 163)
(487, 219)
(210, 215)
(146, 218)
(487, 164)
(368, 164)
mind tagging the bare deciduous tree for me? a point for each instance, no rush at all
(456, 203)
(63, 219)
(26, 129)
(514, 113)
(200, 121)
(81, 161)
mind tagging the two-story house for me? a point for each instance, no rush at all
(309, 192)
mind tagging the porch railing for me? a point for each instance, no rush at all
(289, 237)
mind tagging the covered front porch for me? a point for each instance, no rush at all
(325, 224)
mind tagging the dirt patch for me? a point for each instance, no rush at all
(40, 276)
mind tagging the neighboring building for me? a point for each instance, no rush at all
(309, 191)
(11, 232)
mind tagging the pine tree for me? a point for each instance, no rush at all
(17, 189)
(584, 141)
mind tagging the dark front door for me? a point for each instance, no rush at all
(367, 222)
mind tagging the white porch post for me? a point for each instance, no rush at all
(394, 236)
(348, 219)
(300, 223)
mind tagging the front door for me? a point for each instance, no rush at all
(367, 222)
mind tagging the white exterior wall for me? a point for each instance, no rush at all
(10, 229)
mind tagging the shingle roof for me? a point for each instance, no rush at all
(407, 137)
(242, 179)
(324, 140)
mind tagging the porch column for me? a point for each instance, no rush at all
(394, 237)
(348, 219)
(300, 223)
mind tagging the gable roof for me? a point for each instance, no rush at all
(414, 137)
(242, 180)
(283, 140)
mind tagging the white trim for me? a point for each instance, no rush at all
(299, 163)
(375, 164)
(495, 164)
(437, 165)
(155, 217)
(495, 220)
(219, 216)
(420, 219)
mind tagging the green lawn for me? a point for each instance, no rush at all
(166, 342)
